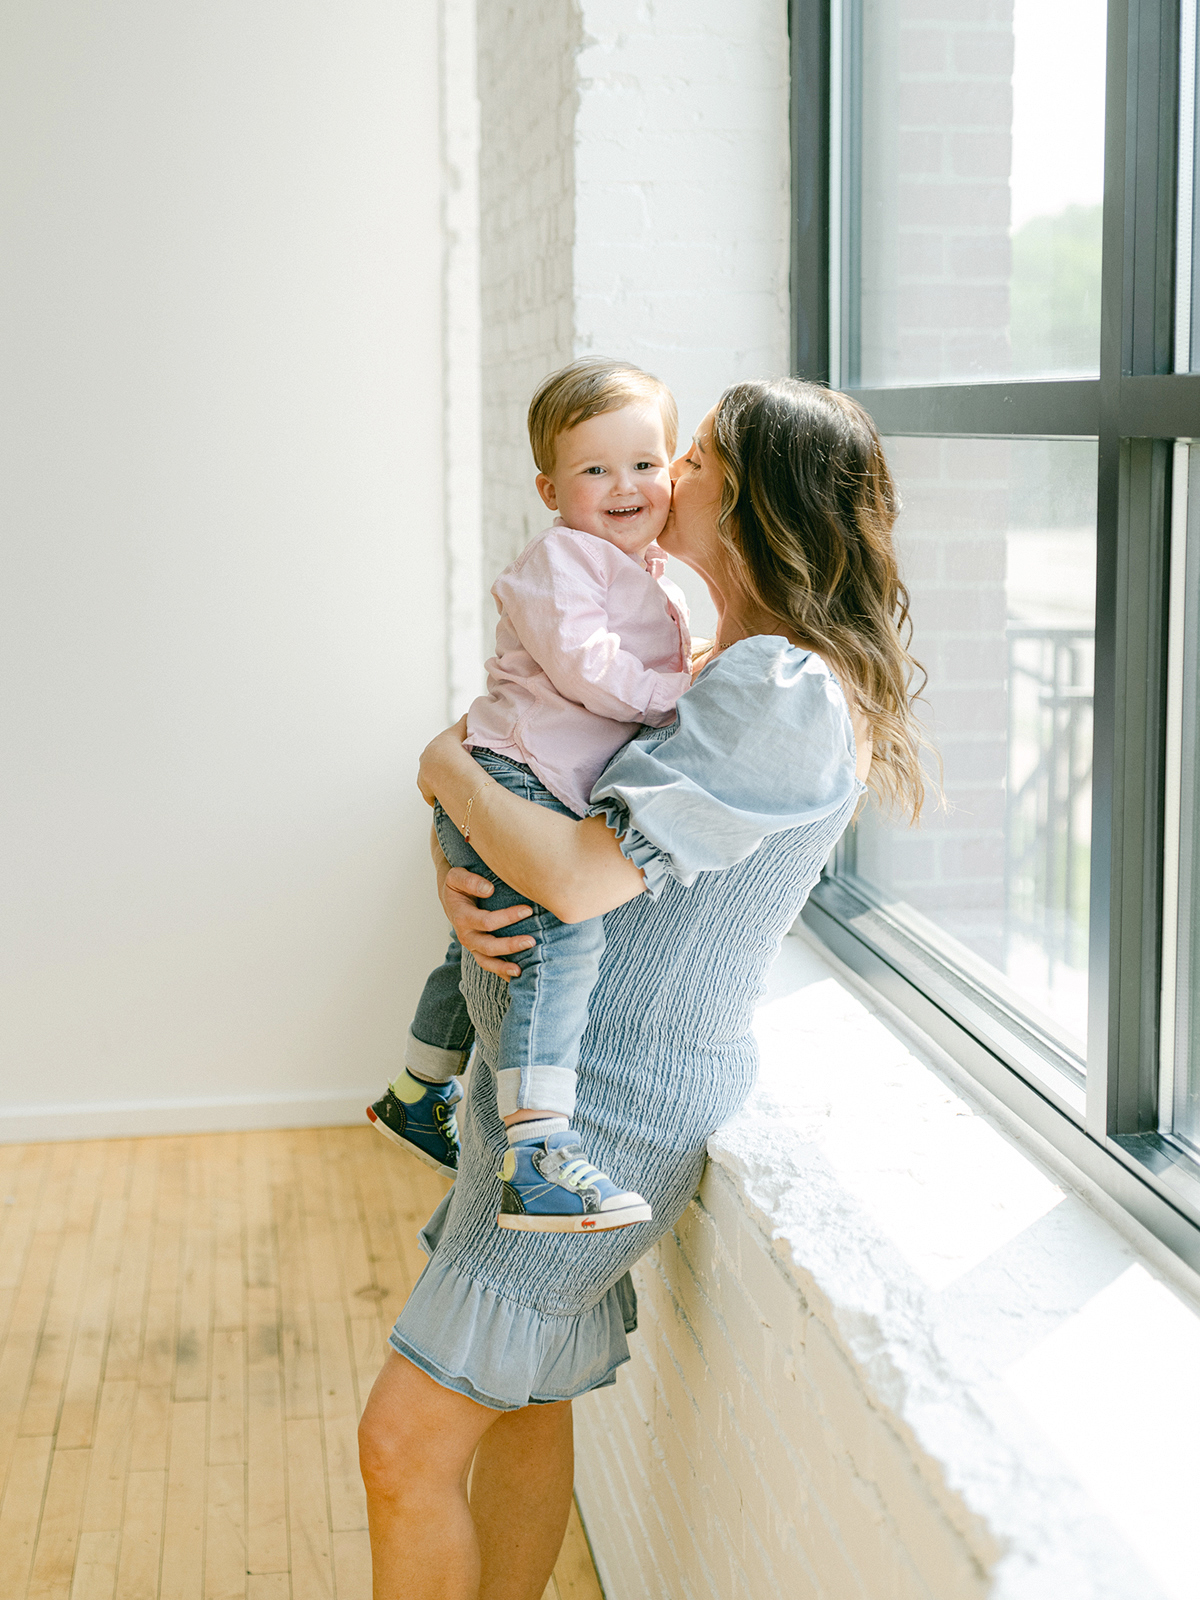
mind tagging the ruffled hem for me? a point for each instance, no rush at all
(635, 847)
(500, 1353)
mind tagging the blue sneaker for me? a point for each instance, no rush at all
(550, 1186)
(421, 1118)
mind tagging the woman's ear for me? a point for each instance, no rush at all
(546, 489)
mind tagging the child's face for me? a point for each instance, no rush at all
(612, 477)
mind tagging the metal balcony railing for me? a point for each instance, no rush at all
(1047, 833)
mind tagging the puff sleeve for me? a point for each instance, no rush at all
(762, 743)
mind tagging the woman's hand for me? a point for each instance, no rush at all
(475, 926)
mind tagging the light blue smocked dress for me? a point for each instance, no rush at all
(731, 812)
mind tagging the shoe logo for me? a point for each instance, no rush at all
(587, 1222)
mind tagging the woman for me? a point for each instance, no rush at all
(706, 838)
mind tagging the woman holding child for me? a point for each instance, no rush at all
(702, 839)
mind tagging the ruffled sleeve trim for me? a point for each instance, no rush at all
(657, 869)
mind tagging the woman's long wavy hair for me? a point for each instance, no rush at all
(807, 513)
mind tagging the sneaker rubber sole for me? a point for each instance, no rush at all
(406, 1144)
(586, 1222)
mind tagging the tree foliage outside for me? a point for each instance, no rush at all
(1055, 294)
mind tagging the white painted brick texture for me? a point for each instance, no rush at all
(527, 54)
(634, 202)
(753, 1456)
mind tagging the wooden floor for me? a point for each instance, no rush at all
(190, 1327)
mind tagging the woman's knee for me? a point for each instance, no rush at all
(383, 1448)
(416, 1438)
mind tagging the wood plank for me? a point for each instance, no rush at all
(574, 1570)
(183, 1521)
(261, 1261)
(96, 1566)
(56, 1335)
(58, 1535)
(228, 1213)
(128, 1325)
(308, 1517)
(369, 1350)
(225, 1533)
(81, 1390)
(21, 1512)
(150, 1445)
(104, 1505)
(141, 1536)
(339, 1416)
(193, 1336)
(339, 1154)
(298, 1345)
(21, 1344)
(227, 1403)
(352, 1564)
(20, 1192)
(269, 1586)
(266, 1490)
(156, 1366)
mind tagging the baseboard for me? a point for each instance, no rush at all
(126, 1119)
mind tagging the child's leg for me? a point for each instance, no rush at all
(440, 1035)
(550, 1185)
(547, 1013)
(416, 1111)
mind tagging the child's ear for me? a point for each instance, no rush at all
(546, 489)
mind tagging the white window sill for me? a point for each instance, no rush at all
(1039, 1349)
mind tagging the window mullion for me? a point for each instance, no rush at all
(1133, 509)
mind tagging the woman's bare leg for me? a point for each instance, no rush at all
(521, 1497)
(416, 1441)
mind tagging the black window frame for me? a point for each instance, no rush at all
(1137, 409)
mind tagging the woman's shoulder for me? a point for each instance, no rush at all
(768, 680)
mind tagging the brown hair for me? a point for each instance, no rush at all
(807, 512)
(585, 389)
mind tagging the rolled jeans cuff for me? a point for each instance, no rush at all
(428, 1061)
(535, 1089)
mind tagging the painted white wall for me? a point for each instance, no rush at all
(223, 631)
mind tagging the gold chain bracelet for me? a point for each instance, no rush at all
(466, 827)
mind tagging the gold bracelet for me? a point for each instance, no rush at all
(466, 827)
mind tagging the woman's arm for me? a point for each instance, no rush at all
(573, 868)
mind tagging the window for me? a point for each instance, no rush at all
(995, 220)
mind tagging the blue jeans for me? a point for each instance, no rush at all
(548, 1004)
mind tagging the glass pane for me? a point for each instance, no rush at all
(1186, 671)
(972, 177)
(997, 542)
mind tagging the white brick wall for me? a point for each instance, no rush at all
(527, 94)
(634, 202)
(751, 1457)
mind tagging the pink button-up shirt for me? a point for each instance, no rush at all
(590, 645)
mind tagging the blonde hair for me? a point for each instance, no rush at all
(807, 511)
(587, 388)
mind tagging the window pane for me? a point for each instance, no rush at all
(997, 544)
(972, 176)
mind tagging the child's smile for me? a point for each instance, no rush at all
(612, 478)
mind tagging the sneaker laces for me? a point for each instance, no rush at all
(578, 1174)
